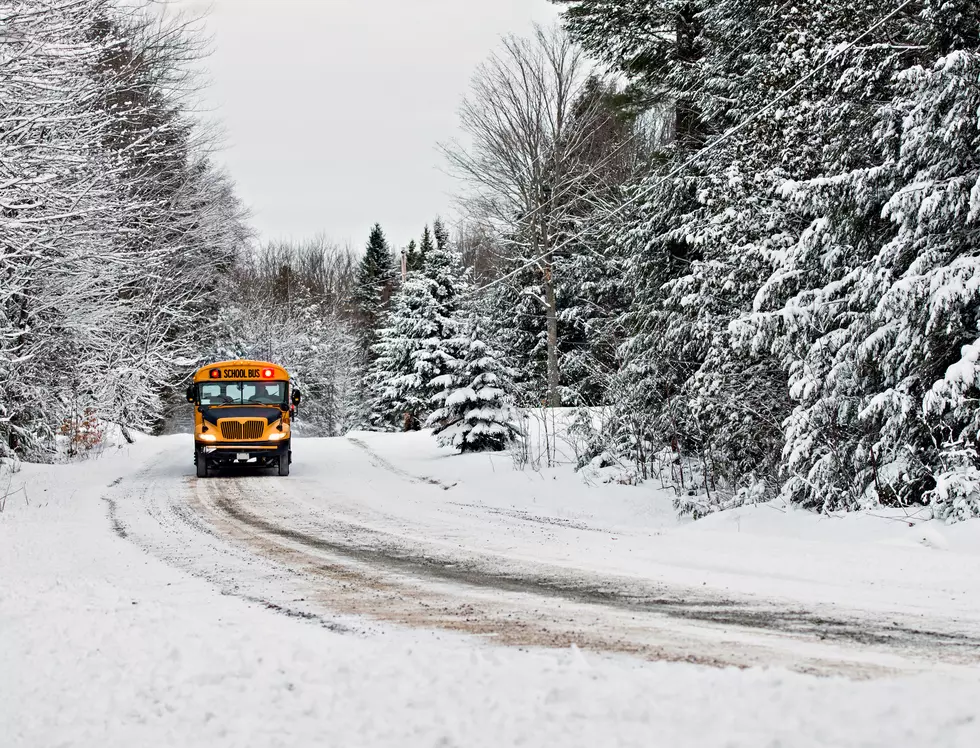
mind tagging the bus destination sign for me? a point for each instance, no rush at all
(241, 373)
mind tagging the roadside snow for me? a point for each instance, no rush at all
(885, 561)
(103, 645)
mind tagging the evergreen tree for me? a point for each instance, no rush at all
(373, 288)
(416, 345)
(515, 321)
(798, 284)
(873, 323)
(475, 411)
(413, 260)
(426, 246)
(440, 233)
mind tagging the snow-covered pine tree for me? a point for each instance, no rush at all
(375, 284)
(425, 246)
(702, 243)
(656, 44)
(416, 344)
(440, 233)
(815, 251)
(725, 402)
(858, 366)
(659, 47)
(880, 301)
(412, 258)
(474, 410)
(398, 395)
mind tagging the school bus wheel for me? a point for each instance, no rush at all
(201, 462)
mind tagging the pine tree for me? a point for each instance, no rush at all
(800, 283)
(475, 411)
(440, 233)
(416, 344)
(880, 309)
(373, 288)
(426, 246)
(399, 394)
(412, 258)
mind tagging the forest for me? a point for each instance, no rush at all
(736, 240)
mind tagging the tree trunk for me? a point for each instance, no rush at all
(554, 399)
(689, 123)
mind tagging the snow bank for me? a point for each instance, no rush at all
(887, 561)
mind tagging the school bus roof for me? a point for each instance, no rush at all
(241, 370)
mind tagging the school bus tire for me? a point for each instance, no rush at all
(202, 464)
(284, 464)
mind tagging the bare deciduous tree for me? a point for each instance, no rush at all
(527, 163)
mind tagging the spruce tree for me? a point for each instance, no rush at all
(398, 393)
(801, 317)
(412, 258)
(425, 247)
(374, 287)
(416, 345)
(440, 233)
(475, 410)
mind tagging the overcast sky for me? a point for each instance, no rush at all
(332, 109)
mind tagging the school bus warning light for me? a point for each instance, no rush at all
(268, 373)
(215, 374)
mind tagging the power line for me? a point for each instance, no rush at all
(642, 194)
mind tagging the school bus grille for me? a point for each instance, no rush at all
(238, 431)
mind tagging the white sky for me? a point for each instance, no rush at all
(332, 109)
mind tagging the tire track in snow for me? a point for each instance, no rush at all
(164, 523)
(379, 461)
(392, 572)
(270, 548)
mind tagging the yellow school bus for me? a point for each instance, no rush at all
(242, 416)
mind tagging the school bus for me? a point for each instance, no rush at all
(242, 416)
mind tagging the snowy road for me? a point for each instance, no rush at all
(361, 602)
(360, 531)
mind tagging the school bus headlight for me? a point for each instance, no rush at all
(207, 437)
(277, 436)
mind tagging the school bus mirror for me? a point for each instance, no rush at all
(297, 396)
(191, 393)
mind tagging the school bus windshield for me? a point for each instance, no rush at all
(243, 393)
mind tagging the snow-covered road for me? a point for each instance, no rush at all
(353, 532)
(363, 601)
